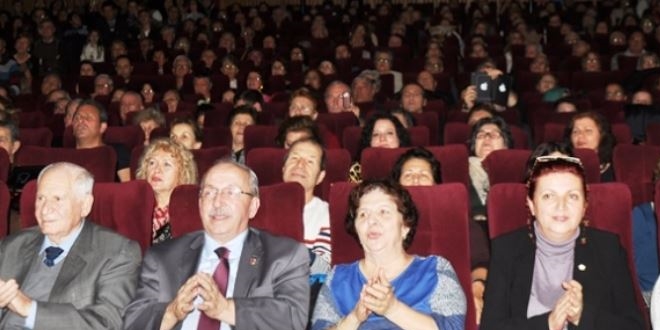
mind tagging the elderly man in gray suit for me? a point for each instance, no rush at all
(228, 276)
(68, 273)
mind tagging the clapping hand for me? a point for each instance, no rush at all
(568, 308)
(214, 302)
(379, 294)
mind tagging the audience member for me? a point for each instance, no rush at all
(240, 118)
(165, 165)
(537, 277)
(305, 163)
(254, 280)
(389, 287)
(89, 123)
(590, 130)
(185, 132)
(68, 271)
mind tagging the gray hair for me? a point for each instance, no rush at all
(83, 181)
(254, 181)
(371, 76)
(103, 76)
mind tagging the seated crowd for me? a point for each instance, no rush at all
(190, 93)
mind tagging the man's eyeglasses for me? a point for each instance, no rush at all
(230, 192)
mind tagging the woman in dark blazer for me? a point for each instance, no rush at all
(559, 273)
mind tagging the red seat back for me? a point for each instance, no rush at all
(5, 200)
(124, 207)
(216, 137)
(259, 136)
(337, 122)
(41, 137)
(100, 161)
(634, 166)
(507, 165)
(272, 217)
(4, 165)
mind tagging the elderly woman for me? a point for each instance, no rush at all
(382, 130)
(590, 130)
(488, 134)
(389, 288)
(558, 273)
(165, 165)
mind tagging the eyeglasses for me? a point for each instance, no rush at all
(231, 192)
(550, 158)
(383, 60)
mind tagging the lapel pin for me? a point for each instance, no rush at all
(253, 261)
(582, 267)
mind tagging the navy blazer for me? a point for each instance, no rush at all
(600, 266)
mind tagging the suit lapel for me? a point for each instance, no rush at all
(75, 261)
(190, 259)
(31, 249)
(524, 267)
(250, 264)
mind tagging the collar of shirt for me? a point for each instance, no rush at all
(65, 244)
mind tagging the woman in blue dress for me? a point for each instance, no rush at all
(388, 288)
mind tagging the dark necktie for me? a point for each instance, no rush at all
(221, 278)
(52, 252)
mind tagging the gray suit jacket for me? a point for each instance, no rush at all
(97, 279)
(271, 289)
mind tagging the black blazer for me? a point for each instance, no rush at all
(600, 266)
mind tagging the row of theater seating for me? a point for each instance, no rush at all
(633, 164)
(442, 229)
(545, 125)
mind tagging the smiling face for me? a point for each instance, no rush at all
(224, 204)
(303, 165)
(558, 204)
(379, 224)
(59, 209)
(488, 138)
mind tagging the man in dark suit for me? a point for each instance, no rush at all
(68, 273)
(264, 278)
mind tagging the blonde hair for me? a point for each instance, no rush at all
(184, 158)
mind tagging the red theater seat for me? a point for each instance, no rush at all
(41, 137)
(100, 161)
